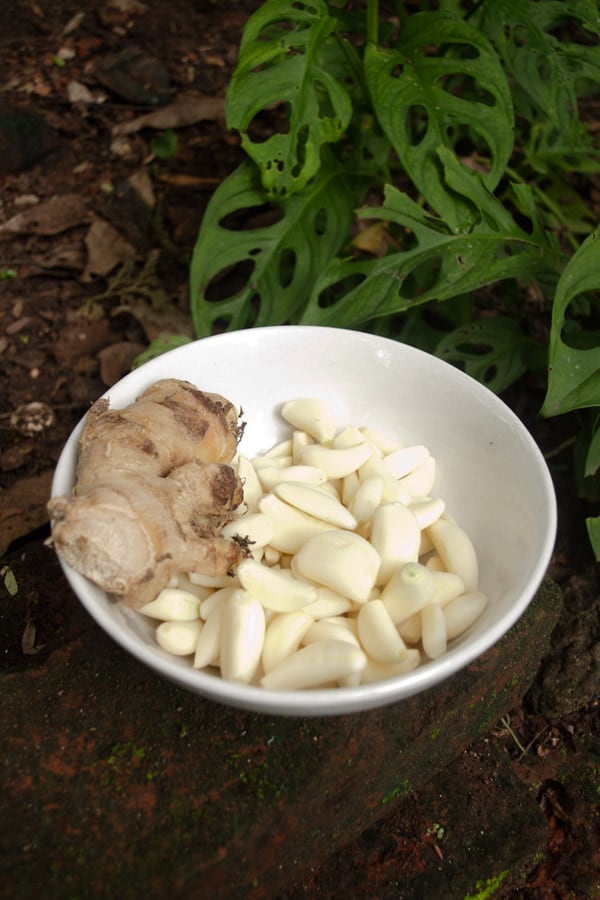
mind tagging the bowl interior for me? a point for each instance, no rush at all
(490, 472)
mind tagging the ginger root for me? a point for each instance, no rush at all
(153, 489)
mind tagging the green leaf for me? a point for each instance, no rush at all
(544, 64)
(10, 580)
(278, 256)
(592, 525)
(493, 350)
(586, 456)
(592, 459)
(159, 346)
(280, 63)
(443, 86)
(573, 372)
(440, 265)
(164, 146)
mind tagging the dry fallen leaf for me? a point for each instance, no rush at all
(186, 109)
(24, 507)
(77, 92)
(52, 217)
(142, 184)
(28, 644)
(116, 360)
(119, 12)
(156, 320)
(106, 249)
(66, 256)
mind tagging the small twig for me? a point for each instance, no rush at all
(506, 722)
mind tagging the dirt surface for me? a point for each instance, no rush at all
(99, 211)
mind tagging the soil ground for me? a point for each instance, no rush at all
(98, 217)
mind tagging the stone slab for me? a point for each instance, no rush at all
(116, 783)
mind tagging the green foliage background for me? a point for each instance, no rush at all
(421, 175)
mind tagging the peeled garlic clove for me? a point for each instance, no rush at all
(291, 527)
(383, 442)
(282, 449)
(350, 485)
(434, 563)
(271, 462)
(374, 467)
(242, 637)
(336, 463)
(173, 604)
(179, 638)
(350, 624)
(340, 560)
(182, 581)
(276, 589)
(349, 437)
(216, 597)
(396, 537)
(375, 671)
(311, 415)
(401, 462)
(209, 640)
(316, 664)
(366, 499)
(420, 481)
(410, 629)
(316, 502)
(212, 581)
(426, 545)
(378, 635)
(329, 631)
(255, 528)
(461, 612)
(300, 440)
(428, 511)
(283, 636)
(252, 487)
(328, 603)
(456, 551)
(434, 637)
(448, 586)
(411, 587)
(270, 477)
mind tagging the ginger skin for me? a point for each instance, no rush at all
(153, 490)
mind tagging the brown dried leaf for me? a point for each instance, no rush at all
(157, 320)
(65, 256)
(186, 109)
(56, 215)
(106, 249)
(116, 360)
(28, 644)
(119, 12)
(24, 508)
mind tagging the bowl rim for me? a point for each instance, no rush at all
(324, 701)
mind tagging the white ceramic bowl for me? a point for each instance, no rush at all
(490, 472)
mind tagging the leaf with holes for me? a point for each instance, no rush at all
(574, 357)
(441, 264)
(443, 86)
(494, 350)
(271, 254)
(280, 64)
(547, 67)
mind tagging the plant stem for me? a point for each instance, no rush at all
(506, 722)
(372, 21)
